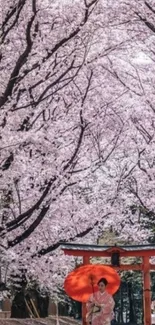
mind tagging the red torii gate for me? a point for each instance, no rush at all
(143, 251)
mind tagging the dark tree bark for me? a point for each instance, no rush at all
(19, 308)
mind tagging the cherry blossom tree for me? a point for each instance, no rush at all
(77, 128)
(54, 125)
(135, 172)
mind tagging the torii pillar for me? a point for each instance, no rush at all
(86, 260)
(146, 291)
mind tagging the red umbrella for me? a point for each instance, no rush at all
(82, 282)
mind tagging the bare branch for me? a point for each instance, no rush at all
(15, 10)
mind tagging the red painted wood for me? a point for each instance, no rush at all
(136, 253)
(86, 260)
(146, 291)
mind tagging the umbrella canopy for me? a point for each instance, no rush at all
(82, 282)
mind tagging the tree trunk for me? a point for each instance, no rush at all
(19, 308)
(131, 304)
(43, 303)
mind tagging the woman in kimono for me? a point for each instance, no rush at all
(100, 306)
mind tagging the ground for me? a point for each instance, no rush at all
(49, 321)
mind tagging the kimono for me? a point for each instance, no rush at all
(104, 315)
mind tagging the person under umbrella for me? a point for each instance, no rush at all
(94, 284)
(100, 305)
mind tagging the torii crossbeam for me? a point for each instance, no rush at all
(143, 251)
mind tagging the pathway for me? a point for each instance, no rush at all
(48, 321)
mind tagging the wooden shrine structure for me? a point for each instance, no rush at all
(115, 253)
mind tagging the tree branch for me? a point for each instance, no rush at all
(16, 10)
(11, 225)
(29, 231)
(53, 247)
(20, 62)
